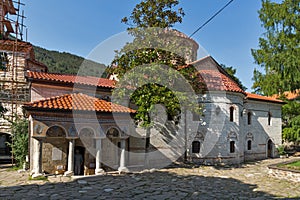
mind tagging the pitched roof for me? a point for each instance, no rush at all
(73, 79)
(8, 45)
(78, 102)
(214, 76)
(262, 98)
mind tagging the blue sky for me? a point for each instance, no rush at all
(79, 26)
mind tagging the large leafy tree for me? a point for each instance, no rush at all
(154, 13)
(278, 55)
(153, 44)
(279, 49)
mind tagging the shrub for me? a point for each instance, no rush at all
(19, 141)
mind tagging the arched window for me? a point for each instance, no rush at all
(231, 110)
(269, 118)
(196, 147)
(249, 145)
(232, 146)
(249, 118)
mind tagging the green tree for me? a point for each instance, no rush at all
(154, 13)
(291, 121)
(279, 49)
(154, 46)
(231, 72)
(19, 138)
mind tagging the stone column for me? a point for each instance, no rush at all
(98, 169)
(70, 171)
(37, 158)
(123, 167)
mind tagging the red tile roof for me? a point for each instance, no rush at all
(214, 76)
(289, 95)
(79, 102)
(73, 79)
(8, 45)
(214, 80)
(262, 98)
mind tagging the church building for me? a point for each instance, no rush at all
(236, 126)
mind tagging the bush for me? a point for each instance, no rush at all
(19, 141)
(281, 150)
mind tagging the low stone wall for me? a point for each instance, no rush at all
(282, 173)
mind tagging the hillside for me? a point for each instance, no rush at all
(66, 63)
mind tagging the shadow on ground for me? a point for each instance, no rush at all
(156, 185)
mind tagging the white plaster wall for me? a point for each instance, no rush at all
(260, 129)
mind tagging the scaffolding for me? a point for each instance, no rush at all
(11, 29)
(9, 17)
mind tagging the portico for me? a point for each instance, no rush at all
(55, 137)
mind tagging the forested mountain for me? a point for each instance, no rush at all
(66, 63)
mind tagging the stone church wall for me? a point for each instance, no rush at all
(55, 152)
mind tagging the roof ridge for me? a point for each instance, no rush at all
(73, 79)
(78, 101)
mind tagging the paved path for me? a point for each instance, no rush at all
(250, 181)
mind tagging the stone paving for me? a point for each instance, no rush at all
(248, 181)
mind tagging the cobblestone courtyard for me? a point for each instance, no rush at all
(249, 181)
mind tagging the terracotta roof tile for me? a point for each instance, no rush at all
(8, 45)
(289, 95)
(215, 80)
(262, 98)
(73, 79)
(78, 101)
(214, 76)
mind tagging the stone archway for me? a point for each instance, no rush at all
(54, 150)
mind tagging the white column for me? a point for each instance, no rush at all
(98, 169)
(36, 158)
(123, 167)
(70, 171)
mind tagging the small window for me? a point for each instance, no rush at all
(196, 147)
(231, 113)
(249, 145)
(232, 146)
(269, 119)
(249, 118)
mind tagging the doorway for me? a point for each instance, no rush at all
(79, 160)
(270, 148)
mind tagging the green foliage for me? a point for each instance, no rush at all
(66, 63)
(281, 150)
(231, 72)
(40, 178)
(293, 165)
(157, 53)
(279, 49)
(154, 13)
(19, 140)
(291, 121)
